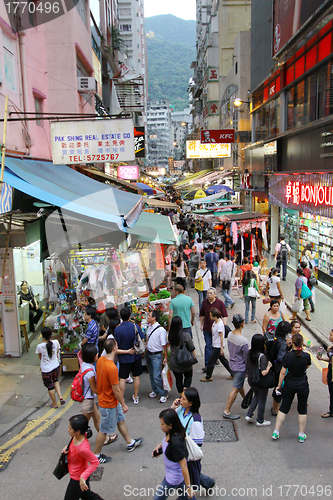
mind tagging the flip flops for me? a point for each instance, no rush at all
(111, 439)
(54, 407)
(327, 415)
(62, 401)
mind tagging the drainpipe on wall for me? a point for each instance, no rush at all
(21, 40)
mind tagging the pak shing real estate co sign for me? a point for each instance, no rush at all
(92, 141)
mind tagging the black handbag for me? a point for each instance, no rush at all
(247, 399)
(184, 357)
(61, 468)
(226, 284)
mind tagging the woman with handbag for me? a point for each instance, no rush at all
(300, 281)
(173, 448)
(328, 359)
(260, 379)
(79, 455)
(271, 319)
(251, 293)
(178, 339)
(187, 408)
(273, 286)
(293, 373)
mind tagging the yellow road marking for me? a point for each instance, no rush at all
(32, 424)
(6, 456)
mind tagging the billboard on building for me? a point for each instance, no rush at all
(128, 172)
(194, 149)
(92, 141)
(139, 142)
(217, 136)
(289, 17)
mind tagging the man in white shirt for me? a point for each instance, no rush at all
(156, 345)
(199, 246)
(204, 276)
(282, 256)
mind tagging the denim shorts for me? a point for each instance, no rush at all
(110, 417)
(239, 378)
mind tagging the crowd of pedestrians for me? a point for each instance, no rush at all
(275, 360)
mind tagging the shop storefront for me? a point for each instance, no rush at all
(306, 216)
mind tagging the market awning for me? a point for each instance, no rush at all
(154, 228)
(212, 176)
(189, 178)
(153, 202)
(115, 180)
(63, 187)
(207, 199)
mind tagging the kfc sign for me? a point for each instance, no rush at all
(217, 136)
(128, 172)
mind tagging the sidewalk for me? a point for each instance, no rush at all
(322, 319)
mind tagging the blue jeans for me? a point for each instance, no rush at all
(284, 267)
(163, 490)
(189, 331)
(154, 365)
(202, 297)
(208, 346)
(249, 300)
(228, 300)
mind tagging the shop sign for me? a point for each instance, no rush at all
(128, 172)
(171, 164)
(213, 75)
(92, 141)
(159, 256)
(306, 193)
(270, 148)
(245, 181)
(194, 149)
(139, 142)
(223, 136)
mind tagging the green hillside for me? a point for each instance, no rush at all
(172, 29)
(169, 62)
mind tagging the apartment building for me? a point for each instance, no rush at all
(181, 126)
(159, 133)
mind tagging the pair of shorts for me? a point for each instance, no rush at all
(275, 297)
(239, 378)
(87, 405)
(110, 417)
(50, 378)
(306, 304)
(126, 368)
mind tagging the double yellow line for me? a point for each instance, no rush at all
(31, 430)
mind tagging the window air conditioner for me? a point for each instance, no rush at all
(86, 83)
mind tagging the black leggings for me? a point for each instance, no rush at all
(288, 393)
(74, 492)
(183, 379)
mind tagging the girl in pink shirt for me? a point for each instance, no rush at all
(79, 457)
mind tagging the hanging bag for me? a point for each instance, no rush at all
(61, 468)
(199, 285)
(305, 292)
(247, 400)
(194, 451)
(184, 358)
(139, 344)
(312, 280)
(252, 291)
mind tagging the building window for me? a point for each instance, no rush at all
(81, 6)
(38, 110)
(299, 105)
(125, 27)
(324, 80)
(32, 13)
(9, 62)
(290, 108)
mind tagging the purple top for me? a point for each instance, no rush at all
(173, 471)
(238, 348)
(298, 285)
(92, 332)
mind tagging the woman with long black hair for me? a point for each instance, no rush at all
(295, 382)
(181, 269)
(176, 337)
(48, 352)
(257, 359)
(173, 448)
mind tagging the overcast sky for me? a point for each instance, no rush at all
(185, 9)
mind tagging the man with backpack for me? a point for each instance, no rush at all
(282, 256)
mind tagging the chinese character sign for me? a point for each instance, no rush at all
(92, 141)
(195, 149)
(297, 192)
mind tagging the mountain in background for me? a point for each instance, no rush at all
(170, 52)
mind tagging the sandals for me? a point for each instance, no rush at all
(327, 415)
(54, 407)
(111, 439)
(62, 401)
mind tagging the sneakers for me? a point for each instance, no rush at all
(263, 424)
(275, 435)
(232, 305)
(89, 433)
(301, 438)
(164, 399)
(205, 379)
(129, 380)
(249, 419)
(152, 394)
(135, 400)
(230, 416)
(136, 443)
(103, 459)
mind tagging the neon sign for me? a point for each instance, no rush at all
(298, 192)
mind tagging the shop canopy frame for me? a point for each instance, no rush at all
(189, 178)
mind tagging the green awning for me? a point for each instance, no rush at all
(154, 228)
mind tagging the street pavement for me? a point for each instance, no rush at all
(252, 467)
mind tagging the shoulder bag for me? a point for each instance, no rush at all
(305, 292)
(184, 358)
(252, 291)
(62, 466)
(194, 451)
(312, 280)
(139, 344)
(199, 286)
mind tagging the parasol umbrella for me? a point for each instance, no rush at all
(219, 188)
(195, 193)
(146, 189)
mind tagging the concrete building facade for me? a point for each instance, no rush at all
(159, 133)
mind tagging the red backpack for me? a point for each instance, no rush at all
(77, 386)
